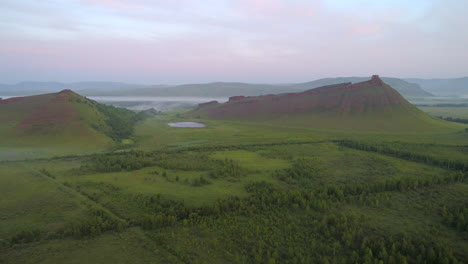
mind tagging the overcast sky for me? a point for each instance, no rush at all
(263, 41)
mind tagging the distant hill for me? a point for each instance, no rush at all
(63, 118)
(227, 89)
(405, 88)
(456, 86)
(215, 89)
(35, 88)
(368, 105)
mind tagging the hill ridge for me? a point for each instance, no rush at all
(337, 95)
(372, 104)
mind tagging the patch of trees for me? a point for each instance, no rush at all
(252, 147)
(296, 236)
(160, 211)
(265, 197)
(94, 190)
(443, 105)
(407, 155)
(400, 184)
(199, 181)
(454, 119)
(132, 160)
(46, 173)
(259, 187)
(26, 236)
(456, 217)
(190, 161)
(95, 223)
(227, 168)
(302, 171)
(120, 120)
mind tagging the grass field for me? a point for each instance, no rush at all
(240, 192)
(456, 112)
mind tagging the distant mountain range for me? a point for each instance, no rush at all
(34, 88)
(369, 105)
(409, 88)
(458, 86)
(227, 89)
(215, 89)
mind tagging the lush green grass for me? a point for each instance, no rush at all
(456, 112)
(30, 200)
(230, 156)
(130, 246)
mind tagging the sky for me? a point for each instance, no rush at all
(260, 41)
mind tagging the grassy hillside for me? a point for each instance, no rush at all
(367, 106)
(63, 120)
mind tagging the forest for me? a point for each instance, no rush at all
(293, 215)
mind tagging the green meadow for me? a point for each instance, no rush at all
(240, 192)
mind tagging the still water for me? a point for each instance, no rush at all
(186, 124)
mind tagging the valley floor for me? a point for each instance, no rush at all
(236, 192)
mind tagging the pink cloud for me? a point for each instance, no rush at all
(366, 29)
(117, 4)
(278, 8)
(25, 50)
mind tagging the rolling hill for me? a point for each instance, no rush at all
(368, 105)
(456, 86)
(61, 119)
(407, 89)
(227, 89)
(36, 88)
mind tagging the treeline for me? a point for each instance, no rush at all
(132, 160)
(443, 105)
(252, 146)
(94, 223)
(403, 154)
(454, 119)
(189, 161)
(25, 236)
(400, 184)
(121, 121)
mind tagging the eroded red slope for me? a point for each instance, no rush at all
(342, 99)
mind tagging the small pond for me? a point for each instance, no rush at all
(186, 124)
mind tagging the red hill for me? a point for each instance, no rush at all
(63, 118)
(371, 103)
